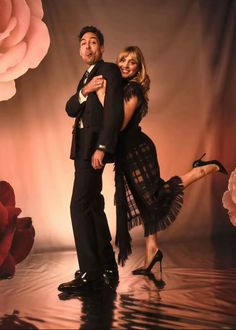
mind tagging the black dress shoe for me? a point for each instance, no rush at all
(109, 275)
(78, 273)
(146, 271)
(82, 283)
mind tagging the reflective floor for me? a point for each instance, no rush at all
(197, 291)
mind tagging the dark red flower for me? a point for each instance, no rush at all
(16, 234)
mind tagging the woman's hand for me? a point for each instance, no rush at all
(94, 85)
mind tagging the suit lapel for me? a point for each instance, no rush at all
(81, 83)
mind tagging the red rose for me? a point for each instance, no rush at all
(16, 234)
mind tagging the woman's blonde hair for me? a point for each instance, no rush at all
(141, 77)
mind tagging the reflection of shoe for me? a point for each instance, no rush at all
(200, 162)
(68, 295)
(159, 283)
(145, 271)
(81, 284)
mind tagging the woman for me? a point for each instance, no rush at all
(141, 195)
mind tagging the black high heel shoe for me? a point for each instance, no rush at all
(200, 162)
(146, 271)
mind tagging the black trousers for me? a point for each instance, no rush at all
(91, 232)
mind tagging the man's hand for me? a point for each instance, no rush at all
(97, 159)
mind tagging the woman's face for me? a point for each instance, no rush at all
(128, 66)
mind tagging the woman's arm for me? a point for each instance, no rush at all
(129, 109)
(129, 106)
(101, 92)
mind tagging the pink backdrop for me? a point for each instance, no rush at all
(190, 55)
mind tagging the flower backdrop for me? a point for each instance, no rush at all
(24, 41)
(229, 198)
(189, 66)
(16, 234)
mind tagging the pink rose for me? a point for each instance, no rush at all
(24, 41)
(16, 234)
(229, 198)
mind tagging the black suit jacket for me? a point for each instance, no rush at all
(101, 124)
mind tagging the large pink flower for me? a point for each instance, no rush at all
(24, 41)
(16, 234)
(229, 198)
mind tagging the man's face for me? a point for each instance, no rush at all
(90, 49)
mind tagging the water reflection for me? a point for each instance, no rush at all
(13, 321)
(107, 309)
(140, 308)
(158, 282)
(97, 310)
(197, 292)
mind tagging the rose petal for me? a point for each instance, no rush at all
(36, 8)
(7, 269)
(21, 12)
(232, 185)
(14, 72)
(232, 190)
(232, 179)
(23, 239)
(23, 223)
(233, 195)
(5, 243)
(227, 201)
(13, 212)
(12, 56)
(232, 217)
(5, 13)
(7, 195)
(38, 42)
(7, 90)
(3, 217)
(11, 25)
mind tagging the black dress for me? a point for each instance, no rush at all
(141, 195)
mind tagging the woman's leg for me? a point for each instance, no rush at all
(198, 173)
(190, 177)
(151, 248)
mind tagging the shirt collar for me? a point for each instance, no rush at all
(91, 68)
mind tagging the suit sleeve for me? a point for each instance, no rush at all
(113, 109)
(73, 106)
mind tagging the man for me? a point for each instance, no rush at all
(94, 139)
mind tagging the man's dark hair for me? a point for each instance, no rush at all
(94, 30)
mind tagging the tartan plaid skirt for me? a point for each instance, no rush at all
(141, 195)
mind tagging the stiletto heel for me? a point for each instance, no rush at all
(145, 271)
(161, 267)
(200, 162)
(159, 283)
